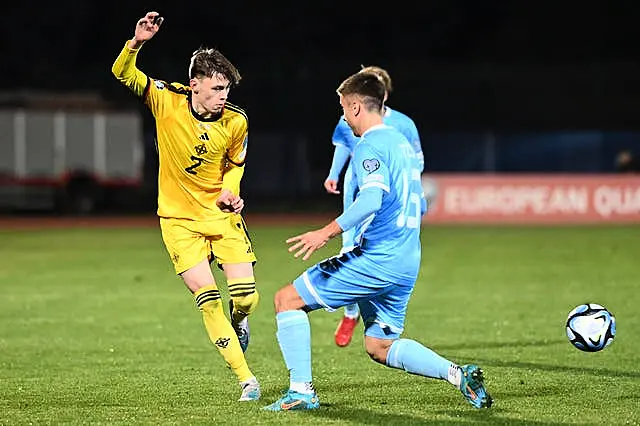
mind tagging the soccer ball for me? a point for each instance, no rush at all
(591, 327)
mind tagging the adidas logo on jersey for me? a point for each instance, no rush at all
(204, 136)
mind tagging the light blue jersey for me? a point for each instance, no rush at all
(343, 136)
(380, 272)
(384, 159)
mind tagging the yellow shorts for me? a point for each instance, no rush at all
(189, 242)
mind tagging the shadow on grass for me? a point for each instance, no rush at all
(499, 345)
(530, 365)
(377, 418)
(598, 372)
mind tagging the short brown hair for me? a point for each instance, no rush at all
(382, 73)
(366, 85)
(206, 62)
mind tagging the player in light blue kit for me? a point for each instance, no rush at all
(380, 272)
(345, 142)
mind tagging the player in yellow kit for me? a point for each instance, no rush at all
(202, 144)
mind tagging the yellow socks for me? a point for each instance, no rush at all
(221, 332)
(245, 297)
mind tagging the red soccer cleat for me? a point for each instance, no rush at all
(344, 332)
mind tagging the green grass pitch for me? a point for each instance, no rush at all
(96, 329)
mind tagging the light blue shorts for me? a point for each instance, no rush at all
(346, 279)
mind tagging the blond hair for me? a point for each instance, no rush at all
(382, 74)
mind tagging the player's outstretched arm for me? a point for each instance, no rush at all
(417, 145)
(124, 68)
(367, 203)
(340, 156)
(306, 244)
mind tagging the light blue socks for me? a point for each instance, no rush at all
(414, 358)
(294, 337)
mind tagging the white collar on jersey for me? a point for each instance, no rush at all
(376, 127)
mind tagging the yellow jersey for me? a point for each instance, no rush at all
(198, 156)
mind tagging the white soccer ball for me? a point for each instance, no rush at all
(591, 327)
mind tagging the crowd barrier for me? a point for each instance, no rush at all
(532, 198)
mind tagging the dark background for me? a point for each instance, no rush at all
(492, 85)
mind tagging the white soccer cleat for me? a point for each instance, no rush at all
(250, 390)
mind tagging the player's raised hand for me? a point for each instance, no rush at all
(229, 203)
(147, 27)
(331, 186)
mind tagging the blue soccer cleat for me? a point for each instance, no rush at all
(241, 329)
(295, 401)
(472, 387)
